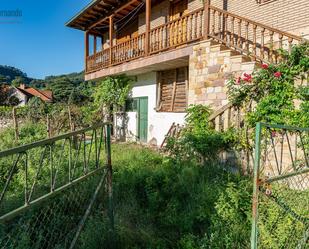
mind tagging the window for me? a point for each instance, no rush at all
(131, 105)
(172, 90)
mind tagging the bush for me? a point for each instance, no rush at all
(199, 139)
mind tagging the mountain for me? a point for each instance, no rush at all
(11, 75)
(8, 74)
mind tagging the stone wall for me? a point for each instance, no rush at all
(210, 67)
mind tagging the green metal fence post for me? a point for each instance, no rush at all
(109, 176)
(254, 231)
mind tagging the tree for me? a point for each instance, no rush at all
(112, 92)
(62, 89)
(18, 80)
(3, 79)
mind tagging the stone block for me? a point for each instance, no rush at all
(211, 96)
(236, 67)
(198, 91)
(218, 89)
(219, 82)
(212, 76)
(220, 60)
(214, 69)
(210, 89)
(221, 96)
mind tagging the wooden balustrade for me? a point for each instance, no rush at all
(185, 29)
(246, 36)
(249, 37)
(128, 50)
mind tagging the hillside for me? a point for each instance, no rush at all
(11, 75)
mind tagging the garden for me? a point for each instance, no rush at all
(185, 197)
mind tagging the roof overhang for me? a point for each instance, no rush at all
(95, 15)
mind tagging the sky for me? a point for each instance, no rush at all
(38, 42)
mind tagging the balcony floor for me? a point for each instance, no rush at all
(178, 57)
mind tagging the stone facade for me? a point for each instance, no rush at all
(210, 67)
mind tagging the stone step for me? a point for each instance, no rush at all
(240, 58)
(218, 47)
(248, 66)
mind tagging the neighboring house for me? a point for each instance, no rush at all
(182, 52)
(24, 93)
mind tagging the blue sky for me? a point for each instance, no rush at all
(40, 44)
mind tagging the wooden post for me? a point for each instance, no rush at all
(15, 121)
(48, 127)
(72, 128)
(86, 48)
(147, 35)
(94, 44)
(206, 18)
(109, 177)
(111, 31)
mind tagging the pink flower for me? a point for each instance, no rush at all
(237, 82)
(264, 66)
(277, 74)
(247, 77)
(273, 133)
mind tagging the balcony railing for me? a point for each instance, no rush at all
(251, 38)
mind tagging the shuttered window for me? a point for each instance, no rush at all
(172, 90)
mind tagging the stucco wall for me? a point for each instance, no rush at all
(158, 122)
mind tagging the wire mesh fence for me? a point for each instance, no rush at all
(281, 188)
(49, 188)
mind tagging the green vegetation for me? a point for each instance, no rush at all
(163, 203)
(277, 89)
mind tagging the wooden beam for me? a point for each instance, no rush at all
(86, 48)
(206, 18)
(174, 90)
(111, 31)
(147, 35)
(94, 44)
(116, 11)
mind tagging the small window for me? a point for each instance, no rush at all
(172, 90)
(131, 105)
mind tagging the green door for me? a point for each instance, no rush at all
(142, 122)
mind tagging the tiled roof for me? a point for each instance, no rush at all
(46, 96)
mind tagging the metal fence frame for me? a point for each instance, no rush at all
(257, 181)
(101, 135)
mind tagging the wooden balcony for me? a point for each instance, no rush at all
(181, 31)
(248, 37)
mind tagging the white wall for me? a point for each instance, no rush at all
(158, 122)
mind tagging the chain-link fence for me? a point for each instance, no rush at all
(51, 187)
(281, 188)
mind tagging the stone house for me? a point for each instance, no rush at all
(182, 52)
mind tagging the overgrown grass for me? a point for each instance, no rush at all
(162, 203)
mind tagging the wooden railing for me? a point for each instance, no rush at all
(226, 117)
(180, 31)
(248, 37)
(128, 50)
(98, 60)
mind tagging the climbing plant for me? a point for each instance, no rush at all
(280, 92)
(112, 92)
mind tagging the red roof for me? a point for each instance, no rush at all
(45, 95)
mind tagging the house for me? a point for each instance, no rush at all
(23, 93)
(182, 52)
